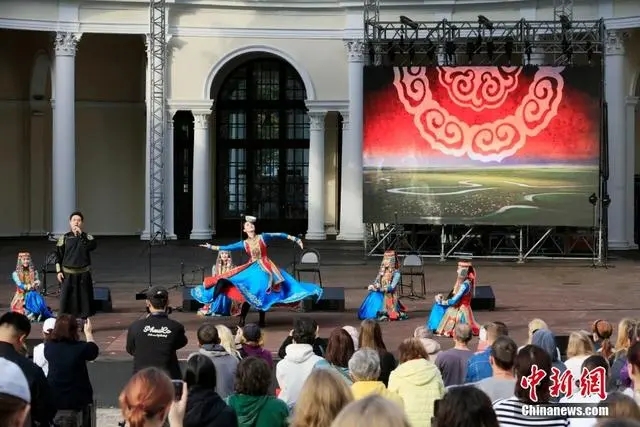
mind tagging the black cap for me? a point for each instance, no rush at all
(251, 332)
(157, 293)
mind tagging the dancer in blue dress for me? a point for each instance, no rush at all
(382, 303)
(221, 305)
(27, 299)
(260, 283)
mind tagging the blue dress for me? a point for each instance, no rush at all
(34, 304)
(383, 303)
(260, 282)
(214, 305)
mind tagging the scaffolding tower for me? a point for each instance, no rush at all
(157, 106)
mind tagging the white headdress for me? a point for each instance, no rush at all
(251, 219)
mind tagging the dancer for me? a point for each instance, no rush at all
(27, 300)
(259, 282)
(382, 303)
(73, 264)
(456, 308)
(221, 305)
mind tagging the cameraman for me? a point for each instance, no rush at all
(154, 340)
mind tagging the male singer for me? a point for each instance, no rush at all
(73, 265)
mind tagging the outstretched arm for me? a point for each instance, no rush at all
(17, 281)
(237, 246)
(464, 287)
(270, 236)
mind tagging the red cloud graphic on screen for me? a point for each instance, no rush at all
(479, 89)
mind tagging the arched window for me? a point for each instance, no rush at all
(262, 147)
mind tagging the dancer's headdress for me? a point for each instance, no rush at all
(391, 258)
(251, 219)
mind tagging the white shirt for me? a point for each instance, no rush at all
(39, 359)
(574, 365)
(577, 398)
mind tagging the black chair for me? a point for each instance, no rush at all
(49, 267)
(412, 266)
(308, 262)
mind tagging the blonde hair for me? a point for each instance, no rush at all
(372, 411)
(323, 395)
(579, 344)
(535, 325)
(228, 341)
(625, 327)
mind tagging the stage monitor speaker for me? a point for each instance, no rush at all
(332, 300)
(189, 305)
(102, 299)
(484, 299)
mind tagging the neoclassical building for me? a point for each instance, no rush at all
(264, 107)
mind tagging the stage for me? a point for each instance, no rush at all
(568, 295)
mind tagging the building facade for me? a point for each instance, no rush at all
(264, 112)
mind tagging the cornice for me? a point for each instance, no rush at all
(197, 106)
(622, 23)
(259, 33)
(326, 106)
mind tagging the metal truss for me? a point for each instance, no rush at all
(487, 242)
(405, 43)
(157, 59)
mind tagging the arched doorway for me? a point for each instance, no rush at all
(262, 148)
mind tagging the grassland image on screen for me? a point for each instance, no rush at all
(481, 145)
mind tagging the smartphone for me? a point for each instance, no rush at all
(177, 389)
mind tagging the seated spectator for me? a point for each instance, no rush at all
(453, 362)
(38, 351)
(355, 335)
(148, 400)
(535, 325)
(14, 330)
(225, 364)
(205, 407)
(545, 339)
(371, 337)
(633, 370)
(319, 344)
(68, 374)
(626, 329)
(364, 368)
(601, 332)
(478, 366)
(251, 401)
(621, 406)
(417, 381)
(251, 340)
(465, 406)
(372, 411)
(510, 412)
(154, 340)
(625, 379)
(578, 349)
(502, 382)
(228, 341)
(595, 361)
(323, 396)
(339, 351)
(15, 397)
(293, 370)
(431, 346)
(482, 340)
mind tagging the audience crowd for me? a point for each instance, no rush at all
(349, 379)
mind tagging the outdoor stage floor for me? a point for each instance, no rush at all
(567, 295)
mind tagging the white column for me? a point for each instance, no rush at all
(63, 185)
(630, 208)
(148, 136)
(617, 184)
(315, 228)
(201, 177)
(169, 167)
(351, 225)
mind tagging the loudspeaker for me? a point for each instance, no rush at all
(188, 303)
(102, 299)
(332, 300)
(484, 299)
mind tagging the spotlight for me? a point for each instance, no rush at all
(485, 22)
(409, 22)
(528, 49)
(450, 51)
(508, 48)
(590, 50)
(593, 199)
(565, 23)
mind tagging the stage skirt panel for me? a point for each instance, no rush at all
(455, 315)
(255, 284)
(382, 306)
(437, 313)
(214, 305)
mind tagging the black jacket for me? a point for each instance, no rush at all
(42, 407)
(153, 342)
(319, 346)
(206, 409)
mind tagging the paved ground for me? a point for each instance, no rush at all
(568, 295)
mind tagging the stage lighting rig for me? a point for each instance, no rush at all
(508, 48)
(589, 49)
(567, 49)
(565, 22)
(391, 52)
(528, 49)
(490, 49)
(409, 22)
(471, 49)
(372, 53)
(412, 52)
(450, 51)
(431, 50)
(485, 22)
